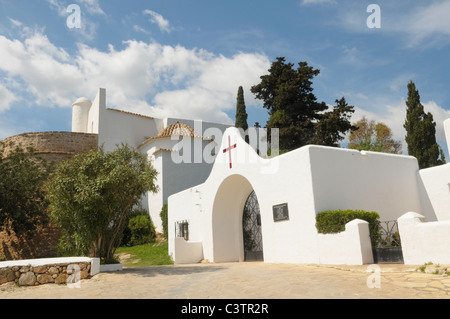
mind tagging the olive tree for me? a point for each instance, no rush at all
(91, 196)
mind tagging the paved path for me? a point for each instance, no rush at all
(251, 280)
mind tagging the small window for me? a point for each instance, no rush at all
(182, 229)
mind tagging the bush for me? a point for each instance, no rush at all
(142, 230)
(126, 235)
(91, 196)
(333, 221)
(164, 220)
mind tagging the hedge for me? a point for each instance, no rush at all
(333, 221)
(164, 219)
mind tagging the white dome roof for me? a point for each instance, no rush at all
(82, 100)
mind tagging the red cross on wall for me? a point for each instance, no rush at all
(228, 149)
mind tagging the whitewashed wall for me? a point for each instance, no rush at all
(371, 181)
(154, 201)
(422, 241)
(118, 127)
(186, 206)
(188, 252)
(436, 181)
(350, 247)
(309, 179)
(114, 127)
(175, 173)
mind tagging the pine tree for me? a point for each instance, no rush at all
(241, 113)
(332, 126)
(421, 131)
(287, 93)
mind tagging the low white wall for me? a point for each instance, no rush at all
(187, 252)
(436, 183)
(422, 241)
(350, 247)
(186, 206)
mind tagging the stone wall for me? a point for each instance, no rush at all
(33, 272)
(53, 147)
(38, 275)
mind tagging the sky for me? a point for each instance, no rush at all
(187, 58)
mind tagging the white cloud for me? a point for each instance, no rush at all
(157, 18)
(88, 29)
(43, 67)
(428, 22)
(58, 6)
(148, 78)
(6, 98)
(413, 23)
(140, 29)
(15, 23)
(92, 6)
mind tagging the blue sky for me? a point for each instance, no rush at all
(187, 58)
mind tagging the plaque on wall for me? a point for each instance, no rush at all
(280, 212)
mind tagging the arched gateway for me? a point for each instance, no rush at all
(236, 222)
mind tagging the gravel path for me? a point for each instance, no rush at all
(251, 280)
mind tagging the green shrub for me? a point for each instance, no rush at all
(126, 235)
(142, 230)
(333, 221)
(164, 220)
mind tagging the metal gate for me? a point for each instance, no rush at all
(386, 243)
(251, 224)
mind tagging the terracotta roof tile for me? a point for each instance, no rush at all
(175, 129)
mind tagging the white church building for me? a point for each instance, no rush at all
(209, 175)
(162, 139)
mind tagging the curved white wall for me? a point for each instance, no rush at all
(80, 114)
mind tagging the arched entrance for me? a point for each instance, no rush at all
(232, 196)
(251, 230)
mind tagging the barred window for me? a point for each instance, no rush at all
(182, 229)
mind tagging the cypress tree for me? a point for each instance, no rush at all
(421, 131)
(241, 113)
